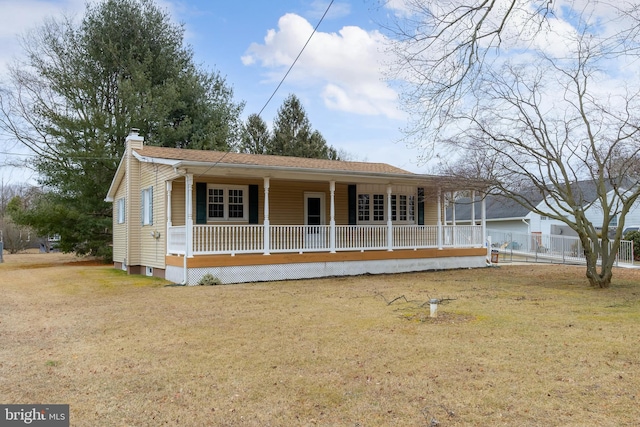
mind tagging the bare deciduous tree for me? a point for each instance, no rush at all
(15, 237)
(532, 95)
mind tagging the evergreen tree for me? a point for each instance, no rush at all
(293, 136)
(256, 136)
(82, 86)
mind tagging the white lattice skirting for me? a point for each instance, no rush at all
(266, 273)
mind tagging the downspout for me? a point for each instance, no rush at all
(184, 271)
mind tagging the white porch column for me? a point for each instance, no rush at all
(188, 188)
(473, 207)
(332, 218)
(453, 208)
(453, 217)
(267, 231)
(483, 214)
(389, 223)
(439, 218)
(169, 224)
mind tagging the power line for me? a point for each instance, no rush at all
(315, 29)
(297, 57)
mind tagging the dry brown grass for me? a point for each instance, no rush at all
(525, 345)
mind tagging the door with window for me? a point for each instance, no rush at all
(314, 220)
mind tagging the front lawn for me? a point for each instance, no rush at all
(528, 345)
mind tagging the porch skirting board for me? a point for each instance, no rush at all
(228, 274)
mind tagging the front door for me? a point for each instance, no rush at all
(314, 220)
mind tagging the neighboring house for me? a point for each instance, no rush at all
(502, 214)
(506, 215)
(180, 214)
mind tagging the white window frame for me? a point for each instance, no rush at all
(411, 208)
(364, 208)
(409, 214)
(120, 209)
(147, 206)
(403, 208)
(379, 207)
(225, 197)
(367, 203)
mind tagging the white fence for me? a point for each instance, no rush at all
(237, 239)
(549, 248)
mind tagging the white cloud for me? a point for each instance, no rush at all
(337, 10)
(19, 16)
(347, 66)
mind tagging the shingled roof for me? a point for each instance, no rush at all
(228, 158)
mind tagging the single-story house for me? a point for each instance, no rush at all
(180, 214)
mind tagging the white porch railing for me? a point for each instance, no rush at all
(361, 237)
(237, 239)
(234, 239)
(177, 239)
(298, 238)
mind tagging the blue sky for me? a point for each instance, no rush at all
(339, 77)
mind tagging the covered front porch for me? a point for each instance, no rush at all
(336, 245)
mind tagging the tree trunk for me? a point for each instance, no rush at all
(602, 278)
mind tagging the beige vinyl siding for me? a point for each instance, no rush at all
(430, 214)
(229, 182)
(342, 204)
(152, 250)
(120, 230)
(178, 215)
(132, 177)
(431, 206)
(286, 200)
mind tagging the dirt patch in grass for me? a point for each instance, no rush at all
(523, 345)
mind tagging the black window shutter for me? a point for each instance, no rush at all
(420, 206)
(201, 202)
(353, 205)
(253, 204)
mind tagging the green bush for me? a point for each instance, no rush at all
(635, 236)
(209, 280)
